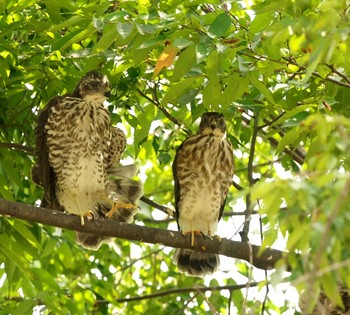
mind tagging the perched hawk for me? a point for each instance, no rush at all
(203, 170)
(76, 151)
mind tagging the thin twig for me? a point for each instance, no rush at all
(271, 121)
(229, 303)
(165, 112)
(244, 169)
(134, 261)
(177, 291)
(294, 155)
(153, 204)
(339, 73)
(237, 186)
(16, 146)
(266, 278)
(211, 306)
(182, 309)
(251, 180)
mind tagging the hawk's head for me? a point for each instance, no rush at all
(212, 123)
(93, 86)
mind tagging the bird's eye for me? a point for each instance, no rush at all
(94, 85)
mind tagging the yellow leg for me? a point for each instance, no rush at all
(192, 233)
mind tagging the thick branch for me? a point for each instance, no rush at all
(266, 260)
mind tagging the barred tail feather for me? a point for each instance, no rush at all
(195, 263)
(91, 241)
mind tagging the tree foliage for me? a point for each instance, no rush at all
(278, 71)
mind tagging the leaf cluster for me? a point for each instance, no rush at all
(277, 71)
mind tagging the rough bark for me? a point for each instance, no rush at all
(266, 260)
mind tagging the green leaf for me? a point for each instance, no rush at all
(176, 90)
(201, 52)
(26, 233)
(236, 85)
(75, 19)
(80, 36)
(45, 277)
(145, 120)
(290, 137)
(110, 35)
(212, 95)
(291, 113)
(184, 63)
(253, 76)
(24, 307)
(49, 247)
(4, 190)
(213, 65)
(125, 29)
(17, 259)
(315, 59)
(220, 25)
(182, 43)
(331, 289)
(260, 22)
(73, 37)
(164, 158)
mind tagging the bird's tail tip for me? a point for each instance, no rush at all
(194, 263)
(91, 241)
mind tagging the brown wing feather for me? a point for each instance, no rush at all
(42, 173)
(116, 147)
(230, 172)
(176, 184)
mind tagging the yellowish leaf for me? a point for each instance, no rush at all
(166, 59)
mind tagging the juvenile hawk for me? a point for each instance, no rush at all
(203, 170)
(76, 150)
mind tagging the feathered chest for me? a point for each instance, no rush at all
(206, 155)
(78, 122)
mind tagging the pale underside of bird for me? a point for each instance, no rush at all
(203, 170)
(77, 152)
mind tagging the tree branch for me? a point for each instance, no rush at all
(16, 146)
(180, 290)
(294, 155)
(165, 112)
(251, 180)
(250, 253)
(156, 205)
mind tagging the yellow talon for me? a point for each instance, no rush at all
(119, 205)
(89, 214)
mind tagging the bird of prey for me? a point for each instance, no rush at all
(203, 170)
(76, 150)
